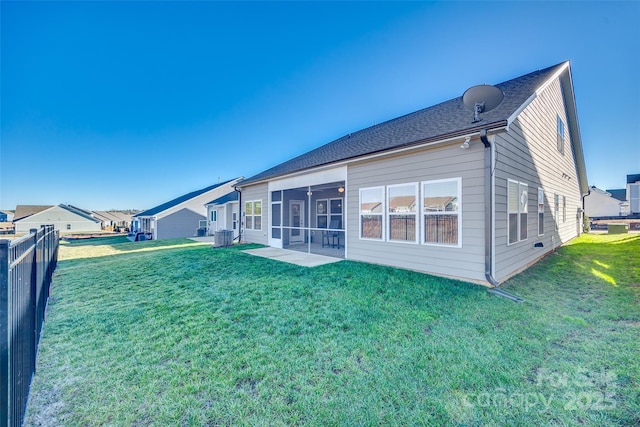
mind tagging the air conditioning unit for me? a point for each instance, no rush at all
(223, 238)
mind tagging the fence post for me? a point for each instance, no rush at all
(34, 299)
(4, 332)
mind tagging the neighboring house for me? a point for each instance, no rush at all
(601, 203)
(633, 193)
(223, 214)
(109, 219)
(182, 216)
(66, 218)
(481, 195)
(6, 216)
(621, 195)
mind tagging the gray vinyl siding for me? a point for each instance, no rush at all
(528, 153)
(59, 218)
(182, 223)
(466, 262)
(256, 192)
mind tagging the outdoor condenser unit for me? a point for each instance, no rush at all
(223, 238)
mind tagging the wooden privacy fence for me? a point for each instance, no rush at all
(26, 269)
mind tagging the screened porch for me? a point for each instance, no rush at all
(309, 219)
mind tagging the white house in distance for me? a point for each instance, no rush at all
(633, 193)
(66, 218)
(182, 216)
(602, 203)
(223, 214)
(477, 188)
(623, 202)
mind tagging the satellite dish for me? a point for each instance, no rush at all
(482, 98)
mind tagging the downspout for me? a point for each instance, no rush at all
(584, 212)
(488, 223)
(240, 222)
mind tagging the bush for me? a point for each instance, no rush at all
(586, 226)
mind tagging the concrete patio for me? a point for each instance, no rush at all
(293, 257)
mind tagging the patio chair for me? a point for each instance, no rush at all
(331, 238)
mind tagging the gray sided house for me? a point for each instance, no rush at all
(223, 213)
(182, 216)
(66, 218)
(455, 190)
(633, 193)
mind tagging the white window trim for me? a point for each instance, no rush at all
(330, 214)
(556, 212)
(325, 214)
(519, 212)
(560, 139)
(540, 202)
(253, 214)
(388, 214)
(459, 213)
(381, 214)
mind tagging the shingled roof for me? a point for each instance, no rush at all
(229, 197)
(619, 194)
(178, 200)
(445, 120)
(23, 211)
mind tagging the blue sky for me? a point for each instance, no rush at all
(130, 104)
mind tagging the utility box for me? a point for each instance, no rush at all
(223, 238)
(617, 229)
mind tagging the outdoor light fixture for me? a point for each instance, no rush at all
(341, 189)
(309, 193)
(465, 144)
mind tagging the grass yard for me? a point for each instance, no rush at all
(178, 333)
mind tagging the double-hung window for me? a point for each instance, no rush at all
(560, 137)
(253, 215)
(441, 203)
(556, 210)
(517, 198)
(540, 211)
(402, 209)
(372, 213)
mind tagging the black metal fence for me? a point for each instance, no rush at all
(26, 269)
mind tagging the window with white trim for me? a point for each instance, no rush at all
(276, 214)
(517, 202)
(402, 209)
(560, 137)
(253, 215)
(214, 215)
(441, 212)
(372, 213)
(540, 211)
(556, 209)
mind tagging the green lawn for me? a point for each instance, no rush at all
(178, 333)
